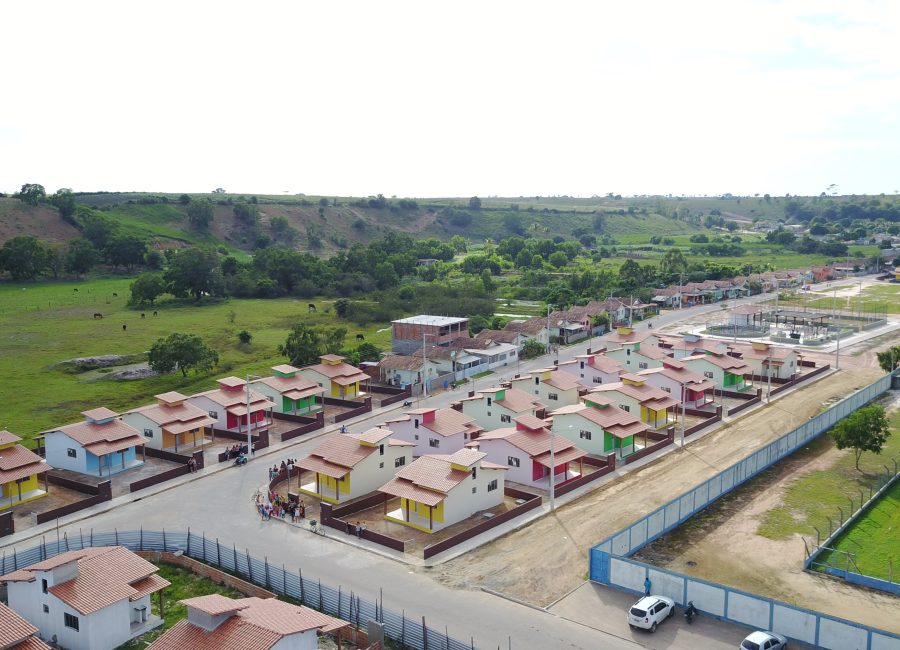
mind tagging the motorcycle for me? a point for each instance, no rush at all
(690, 612)
(407, 403)
(240, 460)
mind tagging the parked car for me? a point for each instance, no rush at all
(649, 611)
(764, 641)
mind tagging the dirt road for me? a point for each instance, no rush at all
(542, 561)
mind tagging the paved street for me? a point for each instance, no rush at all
(219, 503)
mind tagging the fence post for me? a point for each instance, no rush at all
(234, 551)
(283, 580)
(165, 548)
(300, 572)
(841, 510)
(818, 536)
(403, 628)
(321, 609)
(339, 601)
(266, 567)
(203, 541)
(189, 542)
(425, 633)
(249, 565)
(141, 542)
(218, 553)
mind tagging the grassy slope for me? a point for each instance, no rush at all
(43, 324)
(814, 497)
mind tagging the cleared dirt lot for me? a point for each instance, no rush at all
(542, 561)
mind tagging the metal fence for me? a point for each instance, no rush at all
(607, 563)
(338, 602)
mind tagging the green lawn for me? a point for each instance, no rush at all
(185, 584)
(873, 540)
(814, 497)
(43, 324)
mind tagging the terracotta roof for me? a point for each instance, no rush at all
(321, 466)
(466, 457)
(609, 417)
(530, 422)
(401, 362)
(448, 422)
(633, 337)
(149, 585)
(285, 369)
(515, 400)
(432, 472)
(650, 395)
(101, 413)
(602, 363)
(533, 443)
(562, 381)
(171, 397)
(236, 400)
(773, 351)
(6, 437)
(285, 385)
(175, 419)
(560, 457)
(101, 439)
(652, 352)
(231, 382)
(731, 364)
(18, 462)
(530, 327)
(331, 357)
(214, 604)
(344, 449)
(105, 576)
(258, 624)
(372, 436)
(31, 643)
(398, 487)
(15, 630)
(340, 373)
(498, 336)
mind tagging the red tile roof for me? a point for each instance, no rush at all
(214, 604)
(17, 462)
(15, 630)
(533, 443)
(287, 385)
(258, 624)
(610, 418)
(6, 437)
(175, 417)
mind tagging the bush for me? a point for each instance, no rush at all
(245, 337)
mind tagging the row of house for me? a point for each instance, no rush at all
(99, 598)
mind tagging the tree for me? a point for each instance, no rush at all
(672, 262)
(385, 276)
(81, 256)
(183, 351)
(64, 200)
(864, 430)
(532, 348)
(32, 193)
(25, 257)
(558, 259)
(487, 281)
(368, 352)
(125, 250)
(245, 337)
(889, 359)
(474, 203)
(332, 339)
(147, 287)
(246, 214)
(184, 199)
(200, 213)
(301, 346)
(631, 275)
(195, 272)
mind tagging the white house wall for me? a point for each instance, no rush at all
(420, 437)
(461, 503)
(57, 445)
(488, 417)
(563, 421)
(142, 423)
(588, 374)
(375, 470)
(203, 402)
(499, 451)
(300, 641)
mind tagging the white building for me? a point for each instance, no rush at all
(639, 357)
(219, 622)
(93, 599)
(171, 424)
(496, 407)
(550, 387)
(633, 395)
(350, 465)
(227, 405)
(727, 372)
(598, 429)
(683, 385)
(101, 445)
(765, 359)
(524, 449)
(593, 369)
(437, 491)
(496, 355)
(435, 430)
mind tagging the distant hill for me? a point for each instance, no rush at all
(341, 221)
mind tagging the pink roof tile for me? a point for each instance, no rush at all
(6, 437)
(13, 628)
(214, 604)
(18, 462)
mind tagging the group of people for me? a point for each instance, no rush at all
(281, 507)
(237, 449)
(286, 466)
(356, 529)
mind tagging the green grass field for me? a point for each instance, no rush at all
(815, 496)
(873, 540)
(43, 324)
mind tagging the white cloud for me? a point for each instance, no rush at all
(518, 98)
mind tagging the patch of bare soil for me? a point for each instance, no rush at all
(542, 561)
(17, 218)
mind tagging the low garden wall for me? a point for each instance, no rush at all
(72, 484)
(309, 424)
(532, 501)
(328, 519)
(359, 410)
(167, 475)
(667, 439)
(802, 378)
(104, 493)
(747, 403)
(605, 466)
(716, 417)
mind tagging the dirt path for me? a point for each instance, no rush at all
(542, 561)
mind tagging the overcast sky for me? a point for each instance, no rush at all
(452, 99)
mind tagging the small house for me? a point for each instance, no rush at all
(290, 392)
(172, 423)
(726, 372)
(550, 387)
(767, 360)
(437, 491)
(350, 465)
(220, 622)
(598, 428)
(498, 406)
(689, 388)
(435, 430)
(593, 369)
(635, 358)
(101, 445)
(230, 403)
(633, 395)
(338, 378)
(96, 598)
(19, 472)
(525, 450)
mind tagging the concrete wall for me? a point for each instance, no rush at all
(420, 437)
(143, 424)
(587, 375)
(563, 421)
(489, 416)
(56, 445)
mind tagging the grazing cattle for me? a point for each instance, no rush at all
(143, 314)
(311, 307)
(97, 315)
(115, 295)
(360, 337)
(124, 327)
(75, 289)
(154, 313)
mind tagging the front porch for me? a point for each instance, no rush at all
(12, 495)
(185, 442)
(117, 461)
(331, 489)
(138, 628)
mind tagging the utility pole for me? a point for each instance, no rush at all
(552, 470)
(769, 378)
(837, 352)
(424, 361)
(249, 440)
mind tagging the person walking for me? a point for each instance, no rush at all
(647, 585)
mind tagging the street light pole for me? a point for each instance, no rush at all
(249, 441)
(552, 471)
